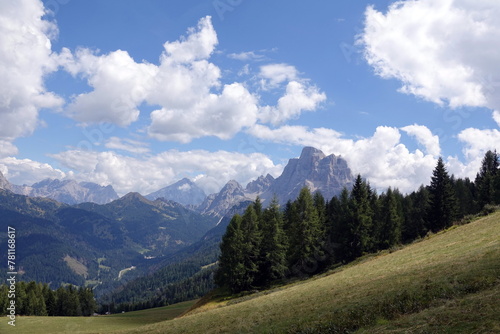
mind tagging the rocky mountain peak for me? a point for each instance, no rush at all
(4, 183)
(327, 174)
(219, 204)
(183, 191)
(261, 184)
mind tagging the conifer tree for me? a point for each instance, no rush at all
(251, 246)
(231, 271)
(486, 179)
(443, 205)
(305, 240)
(360, 224)
(273, 247)
(415, 216)
(339, 217)
(391, 221)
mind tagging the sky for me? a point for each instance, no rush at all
(139, 94)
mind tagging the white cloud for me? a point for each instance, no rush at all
(298, 97)
(446, 52)
(25, 58)
(424, 137)
(210, 170)
(275, 74)
(246, 56)
(381, 158)
(217, 115)
(120, 86)
(128, 145)
(26, 171)
(7, 149)
(441, 50)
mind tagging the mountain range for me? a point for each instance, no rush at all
(64, 191)
(98, 241)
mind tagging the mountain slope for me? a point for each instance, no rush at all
(102, 238)
(184, 192)
(446, 268)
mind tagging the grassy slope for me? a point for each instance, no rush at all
(101, 324)
(448, 283)
(439, 278)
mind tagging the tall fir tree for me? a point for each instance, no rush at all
(273, 265)
(251, 246)
(306, 251)
(391, 220)
(487, 179)
(231, 271)
(338, 234)
(416, 210)
(360, 224)
(443, 204)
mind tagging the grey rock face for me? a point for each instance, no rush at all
(218, 205)
(327, 174)
(69, 191)
(184, 192)
(260, 185)
(4, 183)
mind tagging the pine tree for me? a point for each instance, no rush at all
(306, 251)
(443, 205)
(339, 217)
(273, 247)
(251, 246)
(487, 178)
(391, 220)
(360, 225)
(416, 209)
(231, 271)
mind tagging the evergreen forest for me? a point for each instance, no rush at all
(264, 247)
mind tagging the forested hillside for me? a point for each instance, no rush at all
(264, 246)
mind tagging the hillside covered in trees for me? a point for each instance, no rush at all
(264, 246)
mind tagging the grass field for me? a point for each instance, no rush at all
(99, 324)
(448, 283)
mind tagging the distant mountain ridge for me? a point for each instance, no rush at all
(313, 169)
(184, 192)
(64, 191)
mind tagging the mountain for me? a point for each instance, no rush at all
(184, 192)
(260, 185)
(92, 243)
(71, 192)
(313, 169)
(217, 205)
(64, 191)
(326, 174)
(4, 183)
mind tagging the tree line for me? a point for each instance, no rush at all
(266, 246)
(37, 299)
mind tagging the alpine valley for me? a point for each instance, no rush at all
(83, 234)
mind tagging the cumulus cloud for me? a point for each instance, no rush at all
(443, 51)
(25, 58)
(26, 171)
(381, 158)
(298, 97)
(425, 137)
(210, 170)
(272, 75)
(217, 115)
(119, 85)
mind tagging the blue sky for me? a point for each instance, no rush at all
(139, 94)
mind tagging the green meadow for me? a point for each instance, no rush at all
(447, 283)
